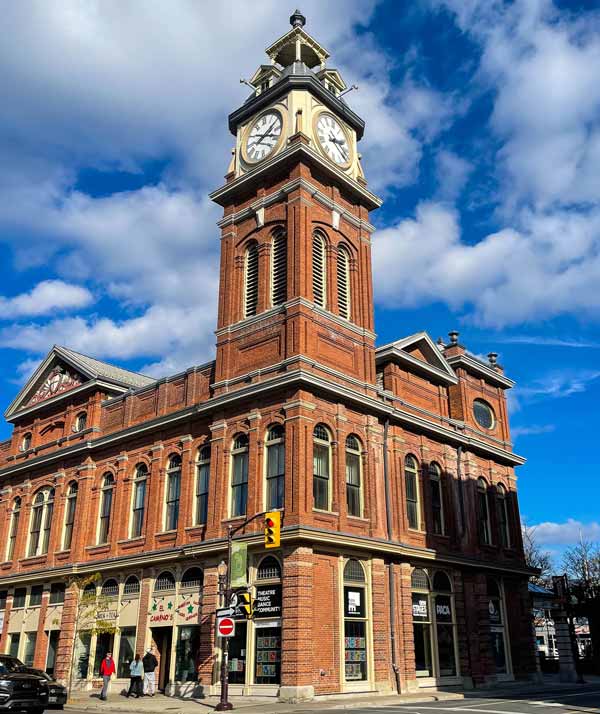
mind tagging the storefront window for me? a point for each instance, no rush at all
(126, 651)
(497, 630)
(29, 651)
(238, 654)
(267, 622)
(355, 623)
(268, 655)
(82, 656)
(188, 644)
(52, 647)
(13, 649)
(434, 625)
(104, 644)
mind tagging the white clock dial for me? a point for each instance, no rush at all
(263, 136)
(333, 139)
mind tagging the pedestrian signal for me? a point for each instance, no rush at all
(272, 529)
(244, 606)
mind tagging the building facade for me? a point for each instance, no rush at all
(401, 562)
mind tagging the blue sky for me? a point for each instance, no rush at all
(483, 137)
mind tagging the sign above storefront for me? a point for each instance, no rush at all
(267, 602)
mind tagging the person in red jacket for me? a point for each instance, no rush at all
(107, 669)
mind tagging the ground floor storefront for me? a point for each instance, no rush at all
(326, 621)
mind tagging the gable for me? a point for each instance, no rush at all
(55, 381)
(418, 353)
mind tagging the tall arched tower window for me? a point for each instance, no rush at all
(251, 280)
(279, 269)
(343, 282)
(319, 271)
(14, 528)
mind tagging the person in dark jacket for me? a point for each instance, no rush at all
(136, 671)
(150, 663)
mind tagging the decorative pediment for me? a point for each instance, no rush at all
(420, 353)
(58, 380)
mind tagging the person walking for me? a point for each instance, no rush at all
(107, 669)
(136, 671)
(150, 664)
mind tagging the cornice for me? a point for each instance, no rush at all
(289, 534)
(225, 194)
(293, 377)
(481, 370)
(299, 183)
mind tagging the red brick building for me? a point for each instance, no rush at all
(401, 561)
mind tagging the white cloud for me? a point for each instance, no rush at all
(558, 384)
(565, 534)
(46, 297)
(452, 174)
(544, 341)
(531, 430)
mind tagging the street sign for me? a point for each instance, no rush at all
(225, 612)
(225, 627)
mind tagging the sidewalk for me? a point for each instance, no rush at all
(159, 704)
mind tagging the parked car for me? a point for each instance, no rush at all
(19, 689)
(57, 694)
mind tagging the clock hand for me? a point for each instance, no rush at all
(266, 133)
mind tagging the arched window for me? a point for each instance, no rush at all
(437, 499)
(239, 476)
(26, 442)
(15, 517)
(319, 270)
(411, 483)
(279, 269)
(140, 483)
(275, 473)
(356, 616)
(165, 581)
(110, 588)
(321, 467)
(422, 632)
(132, 586)
(80, 422)
(353, 476)
(89, 593)
(498, 632)
(41, 522)
(193, 578)
(502, 516)
(106, 499)
(202, 480)
(483, 513)
(343, 282)
(269, 569)
(445, 626)
(251, 280)
(70, 507)
(173, 493)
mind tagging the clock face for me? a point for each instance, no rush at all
(333, 139)
(263, 136)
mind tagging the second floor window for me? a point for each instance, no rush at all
(353, 480)
(411, 484)
(41, 522)
(483, 513)
(437, 499)
(106, 499)
(239, 476)
(202, 480)
(138, 510)
(15, 517)
(173, 493)
(275, 467)
(503, 521)
(70, 508)
(321, 467)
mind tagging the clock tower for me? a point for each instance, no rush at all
(296, 288)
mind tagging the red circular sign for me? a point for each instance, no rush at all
(226, 625)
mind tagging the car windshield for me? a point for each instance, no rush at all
(8, 665)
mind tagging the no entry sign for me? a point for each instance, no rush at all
(225, 627)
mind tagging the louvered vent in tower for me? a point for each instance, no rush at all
(319, 284)
(251, 280)
(343, 280)
(279, 269)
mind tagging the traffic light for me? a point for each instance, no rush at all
(244, 606)
(272, 529)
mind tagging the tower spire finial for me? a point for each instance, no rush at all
(297, 19)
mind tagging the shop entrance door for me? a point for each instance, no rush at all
(163, 640)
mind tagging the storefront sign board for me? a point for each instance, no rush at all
(267, 602)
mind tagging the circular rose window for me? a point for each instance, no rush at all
(484, 414)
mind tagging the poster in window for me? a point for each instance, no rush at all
(420, 609)
(494, 611)
(354, 602)
(443, 608)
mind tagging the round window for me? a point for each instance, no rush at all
(484, 414)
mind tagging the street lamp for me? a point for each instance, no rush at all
(224, 703)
